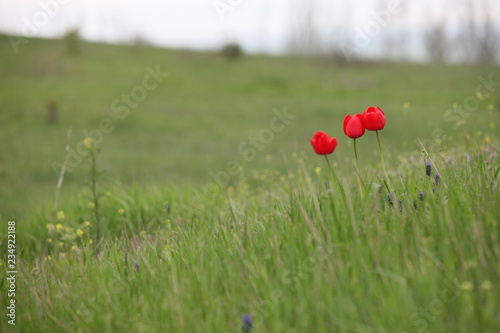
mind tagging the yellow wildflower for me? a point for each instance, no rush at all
(60, 215)
(91, 205)
(74, 248)
(490, 107)
(87, 142)
(91, 241)
(47, 258)
(87, 224)
(486, 285)
(467, 285)
(79, 232)
(121, 211)
(49, 240)
(59, 227)
(317, 170)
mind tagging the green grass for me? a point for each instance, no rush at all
(283, 240)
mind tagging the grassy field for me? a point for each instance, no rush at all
(211, 203)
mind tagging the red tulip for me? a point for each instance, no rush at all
(374, 119)
(323, 144)
(354, 126)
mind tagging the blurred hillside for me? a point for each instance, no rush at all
(185, 127)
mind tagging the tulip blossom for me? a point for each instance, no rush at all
(354, 126)
(374, 118)
(323, 144)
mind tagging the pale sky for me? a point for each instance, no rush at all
(258, 25)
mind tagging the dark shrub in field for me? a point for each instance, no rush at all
(72, 43)
(232, 51)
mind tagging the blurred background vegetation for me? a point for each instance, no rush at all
(419, 62)
(191, 125)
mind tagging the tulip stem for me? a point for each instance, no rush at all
(329, 166)
(334, 176)
(387, 182)
(356, 154)
(357, 169)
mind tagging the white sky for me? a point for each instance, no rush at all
(259, 25)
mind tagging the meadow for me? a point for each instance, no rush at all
(198, 198)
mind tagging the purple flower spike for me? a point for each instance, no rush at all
(400, 205)
(247, 324)
(136, 266)
(428, 169)
(390, 198)
(437, 177)
(422, 194)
